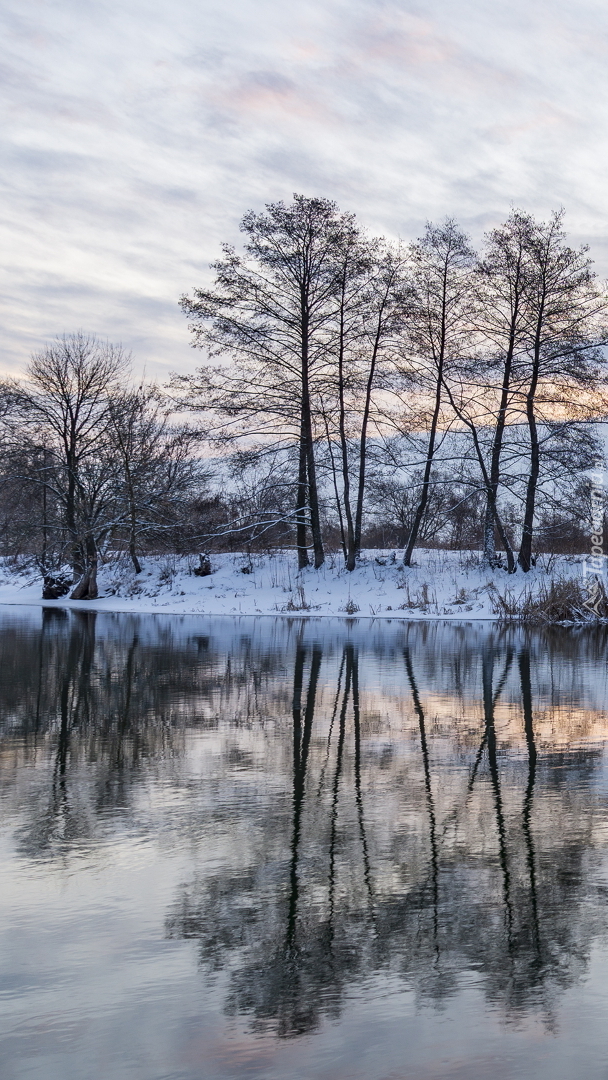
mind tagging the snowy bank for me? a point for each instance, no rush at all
(443, 585)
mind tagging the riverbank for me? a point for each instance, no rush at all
(442, 585)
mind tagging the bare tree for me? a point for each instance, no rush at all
(157, 469)
(504, 281)
(439, 331)
(562, 371)
(268, 314)
(62, 407)
(371, 311)
(537, 325)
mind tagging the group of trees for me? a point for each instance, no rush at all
(354, 390)
(89, 459)
(360, 360)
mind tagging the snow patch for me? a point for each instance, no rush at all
(442, 585)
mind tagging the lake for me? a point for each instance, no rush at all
(305, 849)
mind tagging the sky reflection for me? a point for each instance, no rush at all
(262, 848)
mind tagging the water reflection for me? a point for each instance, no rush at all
(448, 889)
(359, 802)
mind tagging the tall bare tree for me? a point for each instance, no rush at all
(371, 312)
(505, 281)
(562, 371)
(439, 332)
(268, 314)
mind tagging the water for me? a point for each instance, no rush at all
(310, 849)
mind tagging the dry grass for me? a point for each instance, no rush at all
(297, 602)
(561, 600)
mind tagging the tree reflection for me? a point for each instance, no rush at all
(473, 902)
(429, 796)
(526, 697)
(424, 803)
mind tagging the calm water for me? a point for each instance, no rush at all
(309, 850)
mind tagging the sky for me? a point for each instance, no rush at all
(135, 135)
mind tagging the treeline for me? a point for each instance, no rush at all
(405, 373)
(353, 392)
(91, 462)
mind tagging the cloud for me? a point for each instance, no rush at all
(135, 136)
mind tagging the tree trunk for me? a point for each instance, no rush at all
(335, 486)
(134, 559)
(313, 496)
(45, 531)
(93, 590)
(496, 521)
(86, 588)
(81, 589)
(492, 522)
(363, 437)
(489, 540)
(133, 518)
(303, 560)
(315, 519)
(78, 564)
(525, 550)
(489, 547)
(350, 532)
(424, 496)
(524, 557)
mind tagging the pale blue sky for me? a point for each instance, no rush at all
(135, 135)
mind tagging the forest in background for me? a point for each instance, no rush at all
(353, 393)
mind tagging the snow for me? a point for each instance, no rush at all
(442, 585)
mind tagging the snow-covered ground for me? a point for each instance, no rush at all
(443, 585)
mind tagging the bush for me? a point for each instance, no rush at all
(56, 584)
